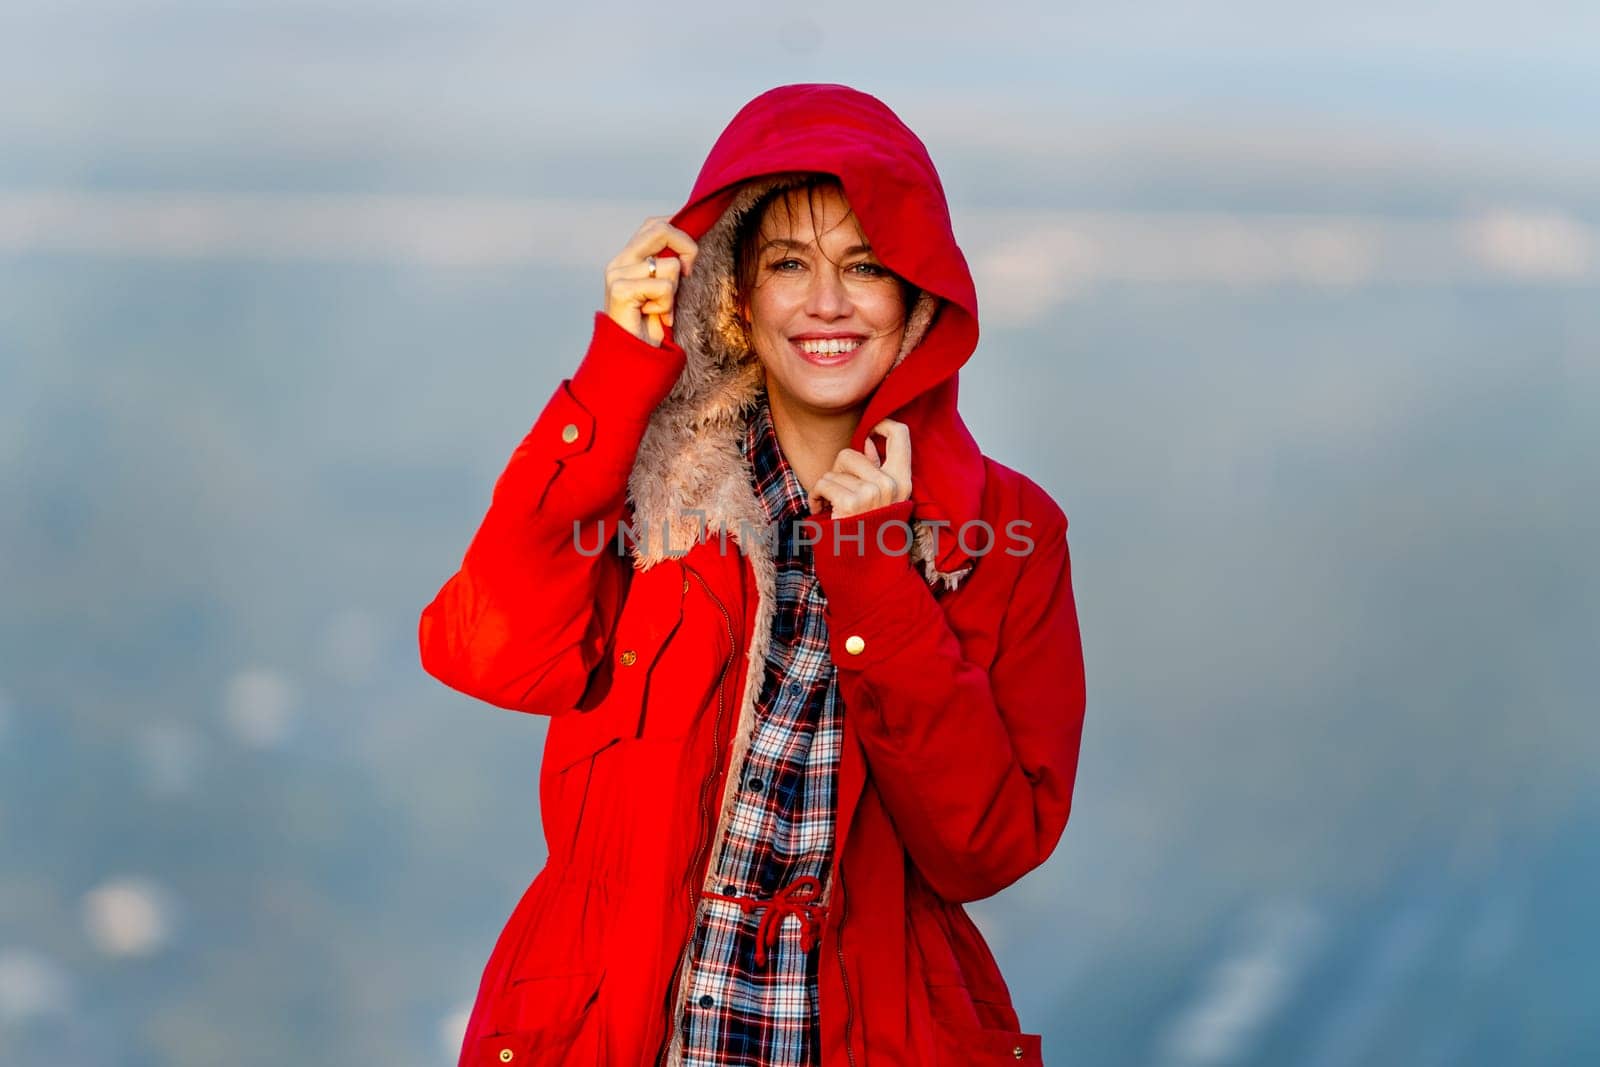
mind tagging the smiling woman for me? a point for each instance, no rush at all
(772, 776)
(826, 320)
(824, 317)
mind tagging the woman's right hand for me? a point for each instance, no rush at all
(638, 303)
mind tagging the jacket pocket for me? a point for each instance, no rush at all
(695, 659)
(970, 1012)
(649, 619)
(553, 1020)
(964, 1048)
(969, 1031)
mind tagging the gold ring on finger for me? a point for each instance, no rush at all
(652, 261)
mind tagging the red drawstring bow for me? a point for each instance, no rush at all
(798, 898)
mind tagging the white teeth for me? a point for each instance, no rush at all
(828, 348)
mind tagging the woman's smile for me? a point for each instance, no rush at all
(829, 352)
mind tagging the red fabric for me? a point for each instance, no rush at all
(964, 708)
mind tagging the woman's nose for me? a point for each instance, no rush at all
(827, 296)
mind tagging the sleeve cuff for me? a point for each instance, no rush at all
(873, 589)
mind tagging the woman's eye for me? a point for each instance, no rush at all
(782, 262)
(871, 269)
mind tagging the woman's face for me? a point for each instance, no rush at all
(826, 317)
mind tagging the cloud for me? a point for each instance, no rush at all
(31, 986)
(1243, 990)
(260, 707)
(128, 917)
(1026, 264)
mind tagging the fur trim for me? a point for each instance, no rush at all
(924, 551)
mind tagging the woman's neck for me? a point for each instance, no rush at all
(810, 440)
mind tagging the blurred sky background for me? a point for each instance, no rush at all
(1294, 308)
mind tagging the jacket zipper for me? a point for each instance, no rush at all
(849, 1005)
(697, 875)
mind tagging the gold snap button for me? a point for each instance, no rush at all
(629, 657)
(569, 434)
(854, 644)
(505, 1055)
(1017, 1052)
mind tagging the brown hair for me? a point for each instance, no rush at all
(747, 239)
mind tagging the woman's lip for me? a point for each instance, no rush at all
(830, 360)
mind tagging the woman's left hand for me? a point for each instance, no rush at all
(860, 482)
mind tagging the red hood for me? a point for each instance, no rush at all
(891, 184)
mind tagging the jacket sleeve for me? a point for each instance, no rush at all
(524, 620)
(975, 766)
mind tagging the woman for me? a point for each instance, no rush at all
(808, 694)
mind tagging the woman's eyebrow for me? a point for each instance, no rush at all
(801, 246)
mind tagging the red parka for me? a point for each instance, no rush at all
(959, 662)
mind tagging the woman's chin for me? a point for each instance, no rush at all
(843, 386)
(830, 401)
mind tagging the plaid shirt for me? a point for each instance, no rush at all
(753, 992)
